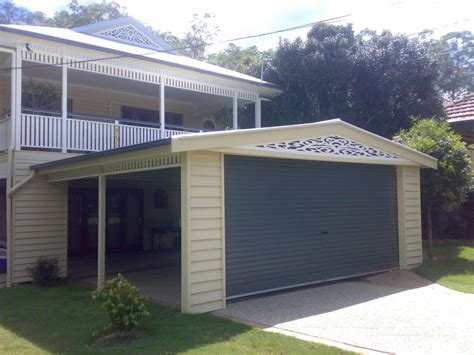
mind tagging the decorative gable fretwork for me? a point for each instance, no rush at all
(129, 34)
(327, 145)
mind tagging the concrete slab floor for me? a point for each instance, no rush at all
(396, 312)
(86, 265)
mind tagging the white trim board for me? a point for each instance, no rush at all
(241, 140)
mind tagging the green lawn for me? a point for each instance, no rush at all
(62, 319)
(452, 265)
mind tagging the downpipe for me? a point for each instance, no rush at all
(11, 189)
(9, 216)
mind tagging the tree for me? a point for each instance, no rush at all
(195, 42)
(248, 61)
(373, 81)
(12, 14)
(74, 14)
(447, 187)
(454, 53)
(201, 32)
(80, 15)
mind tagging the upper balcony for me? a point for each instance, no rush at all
(93, 108)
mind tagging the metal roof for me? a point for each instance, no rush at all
(71, 37)
(237, 138)
(104, 153)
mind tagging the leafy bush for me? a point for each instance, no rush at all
(446, 188)
(122, 303)
(45, 271)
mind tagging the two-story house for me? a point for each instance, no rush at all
(114, 157)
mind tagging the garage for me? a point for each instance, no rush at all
(294, 222)
(262, 209)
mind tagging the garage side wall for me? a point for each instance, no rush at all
(39, 217)
(202, 226)
(409, 215)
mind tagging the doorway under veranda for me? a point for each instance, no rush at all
(142, 231)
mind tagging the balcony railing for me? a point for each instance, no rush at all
(86, 133)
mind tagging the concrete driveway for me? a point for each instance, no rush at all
(397, 312)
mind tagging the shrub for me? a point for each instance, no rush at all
(45, 271)
(122, 303)
(444, 189)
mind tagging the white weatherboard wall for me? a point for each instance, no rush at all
(409, 216)
(39, 216)
(202, 216)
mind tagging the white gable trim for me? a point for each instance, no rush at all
(129, 31)
(258, 142)
(315, 157)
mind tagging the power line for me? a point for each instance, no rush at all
(306, 25)
(141, 55)
(439, 27)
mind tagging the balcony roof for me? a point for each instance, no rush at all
(74, 38)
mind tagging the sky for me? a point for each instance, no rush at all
(249, 17)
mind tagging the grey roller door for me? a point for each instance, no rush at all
(292, 222)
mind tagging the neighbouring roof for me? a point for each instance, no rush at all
(144, 45)
(314, 141)
(460, 110)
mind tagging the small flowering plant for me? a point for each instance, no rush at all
(123, 305)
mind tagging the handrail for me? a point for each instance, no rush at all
(81, 134)
(109, 119)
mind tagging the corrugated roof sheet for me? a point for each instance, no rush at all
(85, 40)
(460, 110)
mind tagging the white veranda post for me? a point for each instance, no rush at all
(258, 113)
(235, 113)
(162, 108)
(64, 108)
(101, 232)
(18, 81)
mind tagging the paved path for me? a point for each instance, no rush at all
(397, 312)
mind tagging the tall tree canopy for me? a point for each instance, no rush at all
(454, 54)
(74, 14)
(248, 61)
(373, 81)
(79, 15)
(200, 33)
(12, 14)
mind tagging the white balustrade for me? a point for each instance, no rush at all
(89, 136)
(130, 135)
(172, 132)
(38, 131)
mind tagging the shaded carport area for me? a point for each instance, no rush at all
(124, 215)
